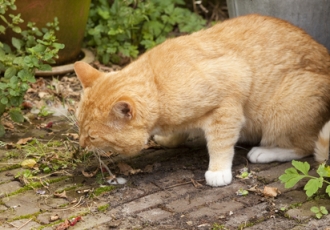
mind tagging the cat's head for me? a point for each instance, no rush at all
(107, 118)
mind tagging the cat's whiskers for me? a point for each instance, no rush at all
(97, 153)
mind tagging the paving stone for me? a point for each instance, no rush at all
(274, 224)
(323, 223)
(203, 197)
(155, 214)
(94, 221)
(23, 224)
(21, 204)
(216, 209)
(175, 177)
(145, 202)
(3, 208)
(183, 190)
(9, 187)
(291, 198)
(243, 216)
(8, 176)
(273, 173)
(303, 212)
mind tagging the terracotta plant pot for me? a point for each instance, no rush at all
(72, 16)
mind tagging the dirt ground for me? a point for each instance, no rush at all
(47, 182)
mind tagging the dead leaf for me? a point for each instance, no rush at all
(24, 141)
(63, 226)
(271, 191)
(151, 168)
(126, 169)
(10, 145)
(28, 163)
(254, 189)
(61, 195)
(89, 175)
(114, 223)
(196, 184)
(72, 136)
(9, 125)
(148, 169)
(107, 154)
(43, 94)
(54, 218)
(27, 104)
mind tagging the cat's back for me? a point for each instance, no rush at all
(267, 39)
(252, 37)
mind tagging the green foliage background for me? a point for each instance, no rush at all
(118, 28)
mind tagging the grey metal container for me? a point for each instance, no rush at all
(311, 15)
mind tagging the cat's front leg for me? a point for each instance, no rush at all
(222, 133)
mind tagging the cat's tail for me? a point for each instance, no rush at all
(321, 152)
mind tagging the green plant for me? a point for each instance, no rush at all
(300, 171)
(44, 112)
(319, 211)
(33, 49)
(120, 29)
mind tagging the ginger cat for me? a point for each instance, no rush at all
(253, 79)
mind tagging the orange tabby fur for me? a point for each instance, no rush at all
(253, 78)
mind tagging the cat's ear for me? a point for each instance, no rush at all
(86, 73)
(124, 110)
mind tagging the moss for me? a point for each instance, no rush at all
(34, 185)
(217, 226)
(69, 188)
(104, 189)
(10, 167)
(295, 205)
(103, 208)
(251, 223)
(32, 216)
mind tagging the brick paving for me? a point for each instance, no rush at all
(165, 198)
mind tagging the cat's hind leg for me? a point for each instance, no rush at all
(171, 140)
(266, 155)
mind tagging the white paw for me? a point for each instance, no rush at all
(218, 178)
(266, 155)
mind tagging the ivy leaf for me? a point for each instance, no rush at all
(10, 72)
(313, 185)
(16, 115)
(45, 67)
(328, 190)
(323, 210)
(58, 45)
(2, 29)
(301, 166)
(323, 170)
(16, 43)
(315, 209)
(291, 177)
(17, 29)
(4, 101)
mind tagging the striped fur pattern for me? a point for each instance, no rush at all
(250, 79)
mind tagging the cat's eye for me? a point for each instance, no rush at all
(91, 137)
